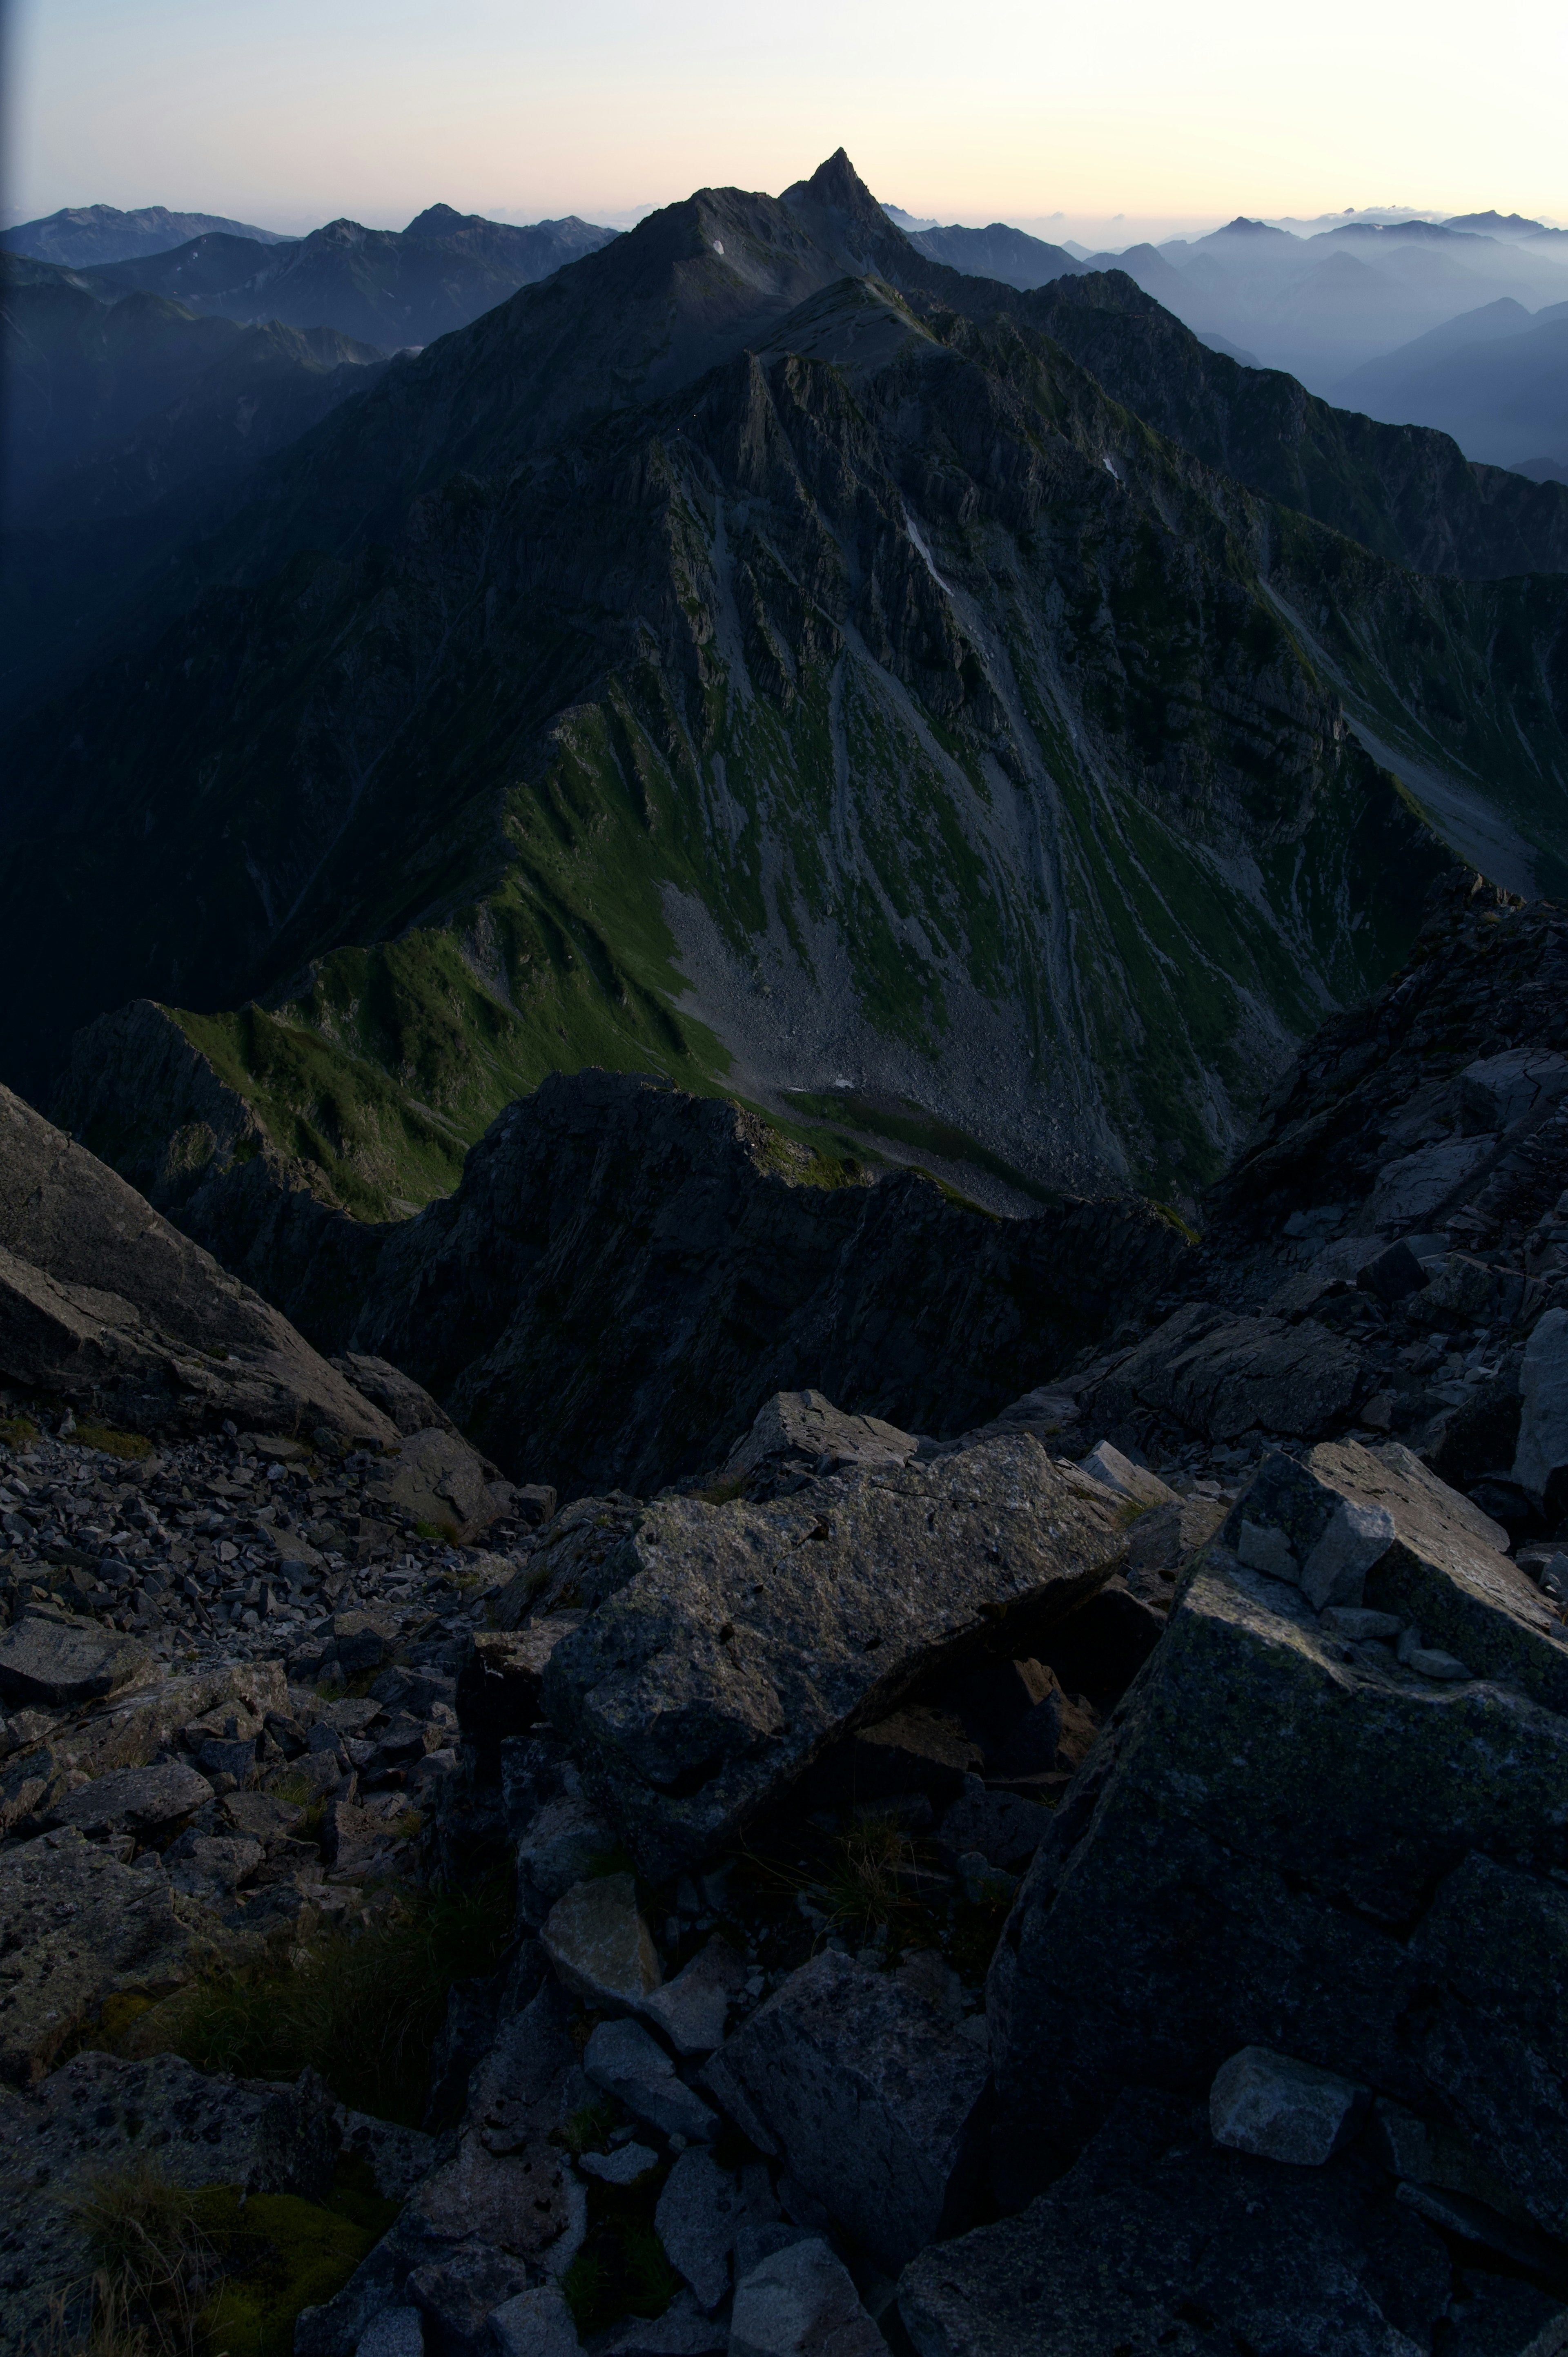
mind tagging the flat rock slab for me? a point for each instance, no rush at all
(1156, 2240)
(55, 1665)
(1280, 2109)
(878, 2105)
(97, 2112)
(76, 1926)
(742, 1639)
(1223, 1375)
(599, 1944)
(141, 1801)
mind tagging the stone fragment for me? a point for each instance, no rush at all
(395, 2332)
(803, 1431)
(748, 1636)
(600, 1945)
(1134, 1482)
(1162, 1539)
(801, 2302)
(525, 2084)
(1280, 2109)
(534, 2323)
(692, 2009)
(1356, 1537)
(1262, 1548)
(700, 2213)
(877, 2104)
(1543, 1388)
(1358, 1626)
(56, 1664)
(143, 1801)
(1158, 2240)
(399, 2159)
(498, 1683)
(1393, 1275)
(630, 2065)
(522, 2202)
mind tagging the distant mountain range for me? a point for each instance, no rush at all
(1495, 378)
(81, 235)
(388, 287)
(762, 654)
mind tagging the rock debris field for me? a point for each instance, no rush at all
(1090, 1883)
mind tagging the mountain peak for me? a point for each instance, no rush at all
(836, 189)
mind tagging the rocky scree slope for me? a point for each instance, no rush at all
(1089, 1882)
(890, 703)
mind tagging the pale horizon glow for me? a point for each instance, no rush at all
(1100, 125)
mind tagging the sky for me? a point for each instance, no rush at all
(1085, 120)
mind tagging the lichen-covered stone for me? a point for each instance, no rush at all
(76, 1926)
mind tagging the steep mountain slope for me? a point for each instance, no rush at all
(1501, 394)
(80, 235)
(1406, 492)
(723, 661)
(389, 286)
(891, 688)
(1009, 255)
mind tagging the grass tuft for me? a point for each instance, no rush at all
(361, 2008)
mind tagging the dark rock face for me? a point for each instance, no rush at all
(1155, 2240)
(1187, 1904)
(103, 1304)
(632, 1235)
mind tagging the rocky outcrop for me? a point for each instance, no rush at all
(105, 1306)
(740, 1641)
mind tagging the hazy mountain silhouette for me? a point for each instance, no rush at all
(1008, 254)
(392, 287)
(80, 235)
(1497, 379)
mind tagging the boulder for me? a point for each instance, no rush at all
(78, 1926)
(599, 1944)
(395, 2332)
(621, 2058)
(701, 2210)
(1280, 2109)
(437, 1477)
(106, 1305)
(801, 2302)
(1159, 2240)
(97, 2113)
(800, 1433)
(1129, 1481)
(1186, 1904)
(141, 1801)
(1005, 1828)
(457, 2292)
(692, 2009)
(562, 1842)
(745, 1639)
(877, 2105)
(57, 1663)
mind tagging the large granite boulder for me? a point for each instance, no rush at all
(103, 1302)
(742, 1639)
(1334, 1836)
